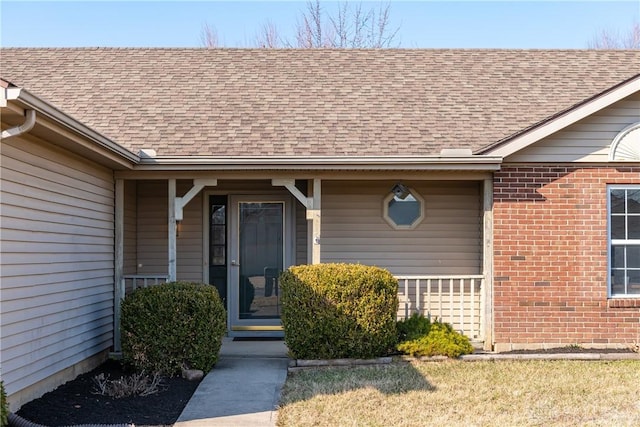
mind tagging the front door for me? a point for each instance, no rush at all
(260, 249)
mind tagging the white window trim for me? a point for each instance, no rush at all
(392, 223)
(611, 242)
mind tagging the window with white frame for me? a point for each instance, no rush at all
(624, 238)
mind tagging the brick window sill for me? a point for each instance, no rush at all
(623, 303)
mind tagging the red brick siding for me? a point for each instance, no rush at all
(550, 257)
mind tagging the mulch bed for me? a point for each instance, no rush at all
(75, 403)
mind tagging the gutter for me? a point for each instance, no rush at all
(47, 110)
(28, 124)
(471, 162)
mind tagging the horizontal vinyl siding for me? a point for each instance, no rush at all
(448, 241)
(57, 261)
(130, 264)
(587, 140)
(152, 242)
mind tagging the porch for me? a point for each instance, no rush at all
(440, 260)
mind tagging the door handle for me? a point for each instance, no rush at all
(234, 263)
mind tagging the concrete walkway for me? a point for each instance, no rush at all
(243, 388)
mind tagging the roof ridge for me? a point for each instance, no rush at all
(284, 49)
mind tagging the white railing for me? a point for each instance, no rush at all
(457, 300)
(135, 281)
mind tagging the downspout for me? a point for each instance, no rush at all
(23, 128)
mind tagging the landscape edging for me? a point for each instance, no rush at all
(297, 364)
(301, 364)
(17, 421)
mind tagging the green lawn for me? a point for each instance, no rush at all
(455, 393)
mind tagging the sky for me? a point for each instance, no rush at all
(421, 24)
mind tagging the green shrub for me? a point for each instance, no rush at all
(4, 407)
(441, 340)
(413, 327)
(339, 311)
(168, 326)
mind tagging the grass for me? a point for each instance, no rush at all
(505, 393)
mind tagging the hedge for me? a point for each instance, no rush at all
(171, 326)
(339, 311)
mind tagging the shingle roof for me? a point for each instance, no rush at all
(262, 102)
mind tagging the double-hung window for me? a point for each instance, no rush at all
(624, 240)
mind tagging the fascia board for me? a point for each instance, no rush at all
(30, 101)
(570, 117)
(321, 163)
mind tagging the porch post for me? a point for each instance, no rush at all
(487, 291)
(172, 232)
(314, 214)
(118, 262)
(313, 206)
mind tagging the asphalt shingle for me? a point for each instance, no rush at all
(265, 102)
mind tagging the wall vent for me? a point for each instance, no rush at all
(626, 145)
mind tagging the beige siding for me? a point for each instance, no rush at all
(57, 261)
(353, 230)
(587, 140)
(152, 252)
(130, 227)
(448, 241)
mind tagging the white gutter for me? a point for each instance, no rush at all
(474, 162)
(28, 124)
(49, 111)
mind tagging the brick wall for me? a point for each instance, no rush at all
(550, 259)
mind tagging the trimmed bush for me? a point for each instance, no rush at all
(413, 327)
(4, 407)
(169, 326)
(441, 340)
(334, 311)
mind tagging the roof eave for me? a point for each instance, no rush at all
(30, 101)
(426, 163)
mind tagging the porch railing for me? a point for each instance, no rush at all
(457, 300)
(135, 281)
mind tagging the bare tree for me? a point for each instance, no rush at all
(209, 36)
(268, 37)
(349, 28)
(606, 39)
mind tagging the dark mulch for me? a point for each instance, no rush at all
(75, 402)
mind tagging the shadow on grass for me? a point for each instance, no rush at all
(393, 379)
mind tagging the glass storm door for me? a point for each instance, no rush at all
(259, 253)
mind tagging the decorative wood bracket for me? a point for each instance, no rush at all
(313, 211)
(290, 184)
(198, 185)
